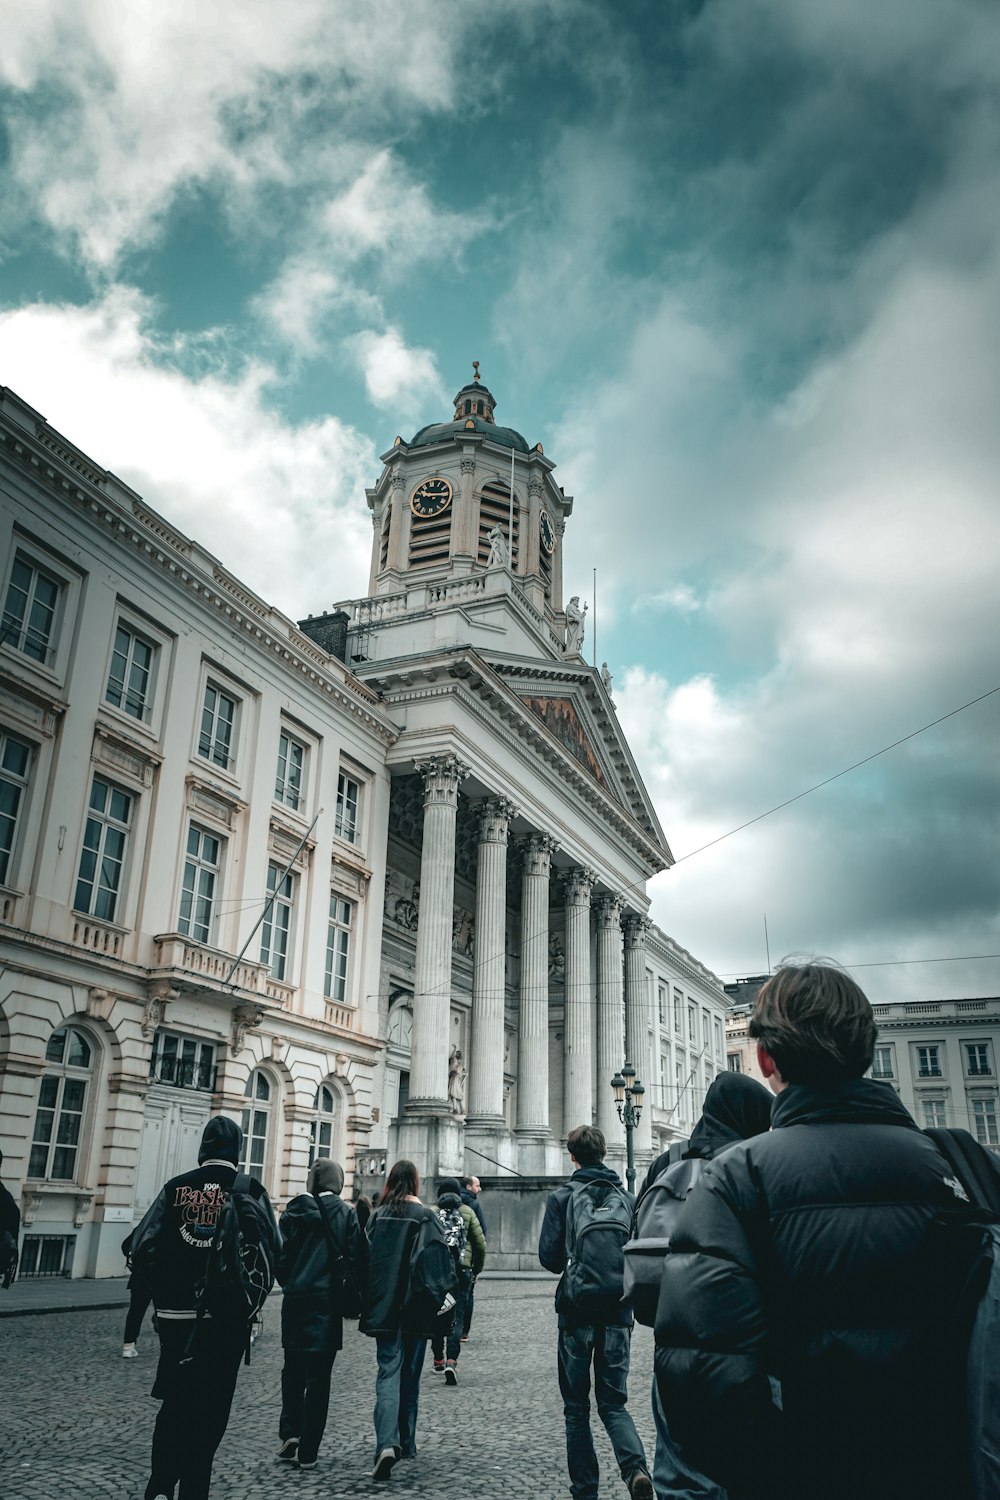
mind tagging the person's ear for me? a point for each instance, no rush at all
(769, 1068)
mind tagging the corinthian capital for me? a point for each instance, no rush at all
(635, 930)
(537, 850)
(494, 820)
(609, 912)
(578, 886)
(443, 775)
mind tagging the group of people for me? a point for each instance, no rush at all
(334, 1260)
(821, 1314)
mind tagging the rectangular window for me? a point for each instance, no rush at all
(734, 1062)
(934, 1113)
(718, 1037)
(679, 1088)
(678, 1011)
(346, 825)
(15, 762)
(928, 1062)
(277, 924)
(984, 1115)
(692, 1025)
(288, 778)
(130, 678)
(882, 1063)
(662, 996)
(58, 1125)
(338, 948)
(199, 890)
(29, 611)
(217, 739)
(183, 1061)
(102, 859)
(978, 1059)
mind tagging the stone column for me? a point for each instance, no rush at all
(578, 1059)
(637, 1019)
(432, 981)
(533, 1006)
(610, 1018)
(488, 980)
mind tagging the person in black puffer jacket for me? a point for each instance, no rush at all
(829, 1253)
(322, 1268)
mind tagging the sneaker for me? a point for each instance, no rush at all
(640, 1486)
(289, 1450)
(307, 1463)
(439, 1367)
(129, 1351)
(384, 1463)
(465, 1338)
(451, 1373)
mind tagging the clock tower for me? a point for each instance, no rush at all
(468, 525)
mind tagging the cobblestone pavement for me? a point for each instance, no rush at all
(76, 1419)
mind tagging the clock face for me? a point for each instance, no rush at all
(546, 533)
(431, 497)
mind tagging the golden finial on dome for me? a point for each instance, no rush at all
(475, 366)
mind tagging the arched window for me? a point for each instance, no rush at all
(401, 1027)
(321, 1131)
(256, 1124)
(62, 1099)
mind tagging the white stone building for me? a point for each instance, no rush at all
(459, 958)
(941, 1057)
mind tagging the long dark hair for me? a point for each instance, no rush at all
(403, 1182)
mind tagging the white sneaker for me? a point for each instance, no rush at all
(129, 1351)
(384, 1463)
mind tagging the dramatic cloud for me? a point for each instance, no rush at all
(281, 504)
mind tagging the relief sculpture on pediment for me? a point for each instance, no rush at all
(560, 718)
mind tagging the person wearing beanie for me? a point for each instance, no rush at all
(464, 1234)
(322, 1268)
(199, 1358)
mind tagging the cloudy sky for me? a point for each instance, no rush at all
(735, 263)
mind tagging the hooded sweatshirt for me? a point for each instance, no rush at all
(317, 1227)
(170, 1246)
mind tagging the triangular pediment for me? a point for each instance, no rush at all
(574, 707)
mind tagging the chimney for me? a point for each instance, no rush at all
(329, 631)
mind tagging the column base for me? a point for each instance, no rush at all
(488, 1136)
(539, 1154)
(434, 1142)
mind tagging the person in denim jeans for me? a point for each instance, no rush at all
(599, 1351)
(391, 1231)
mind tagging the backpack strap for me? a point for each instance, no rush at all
(338, 1264)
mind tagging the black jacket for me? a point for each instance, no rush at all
(471, 1201)
(10, 1225)
(170, 1245)
(314, 1305)
(390, 1236)
(552, 1240)
(816, 1254)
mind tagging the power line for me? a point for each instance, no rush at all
(837, 775)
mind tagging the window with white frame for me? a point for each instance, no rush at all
(401, 1027)
(882, 1062)
(734, 1062)
(130, 678)
(275, 932)
(934, 1112)
(678, 1011)
(718, 1037)
(289, 784)
(15, 766)
(31, 609)
(322, 1127)
(929, 1062)
(184, 1061)
(99, 880)
(338, 948)
(62, 1098)
(217, 736)
(348, 794)
(201, 883)
(679, 1101)
(256, 1124)
(692, 1024)
(984, 1118)
(662, 1006)
(977, 1059)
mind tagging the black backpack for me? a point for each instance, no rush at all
(344, 1288)
(241, 1259)
(431, 1284)
(656, 1214)
(598, 1221)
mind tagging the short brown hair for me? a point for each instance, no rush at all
(586, 1144)
(815, 1023)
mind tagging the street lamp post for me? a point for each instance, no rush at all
(628, 1097)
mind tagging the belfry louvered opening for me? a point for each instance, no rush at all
(429, 539)
(494, 510)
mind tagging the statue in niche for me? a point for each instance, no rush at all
(462, 932)
(557, 959)
(499, 551)
(456, 1082)
(402, 900)
(576, 624)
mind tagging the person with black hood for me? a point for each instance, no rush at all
(10, 1228)
(736, 1108)
(464, 1234)
(586, 1346)
(321, 1267)
(831, 1254)
(199, 1358)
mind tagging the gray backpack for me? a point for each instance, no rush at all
(656, 1213)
